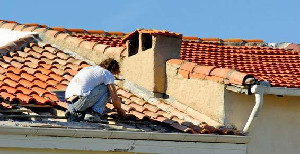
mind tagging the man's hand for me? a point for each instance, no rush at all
(116, 100)
(122, 113)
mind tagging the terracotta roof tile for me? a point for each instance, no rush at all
(254, 40)
(100, 48)
(205, 70)
(26, 83)
(13, 76)
(116, 33)
(233, 40)
(195, 75)
(114, 51)
(20, 27)
(139, 115)
(95, 31)
(10, 26)
(5, 106)
(7, 96)
(88, 45)
(31, 24)
(175, 61)
(190, 38)
(188, 66)
(184, 73)
(41, 30)
(124, 93)
(29, 28)
(151, 107)
(76, 30)
(138, 100)
(60, 29)
(25, 98)
(52, 33)
(210, 39)
(220, 72)
(26, 91)
(165, 114)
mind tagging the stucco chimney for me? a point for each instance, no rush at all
(148, 51)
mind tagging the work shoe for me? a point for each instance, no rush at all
(74, 116)
(94, 117)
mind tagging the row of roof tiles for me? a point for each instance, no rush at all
(278, 66)
(223, 75)
(24, 27)
(237, 40)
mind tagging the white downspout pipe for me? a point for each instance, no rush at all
(259, 93)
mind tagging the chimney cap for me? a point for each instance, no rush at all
(152, 32)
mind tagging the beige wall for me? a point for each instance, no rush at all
(165, 48)
(147, 68)
(276, 128)
(139, 68)
(205, 96)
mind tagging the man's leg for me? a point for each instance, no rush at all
(85, 102)
(96, 99)
(98, 108)
(73, 114)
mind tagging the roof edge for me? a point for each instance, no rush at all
(280, 91)
(87, 133)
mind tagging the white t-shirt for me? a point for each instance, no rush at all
(87, 79)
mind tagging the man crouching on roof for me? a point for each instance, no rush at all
(90, 90)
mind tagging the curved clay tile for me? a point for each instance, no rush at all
(26, 83)
(26, 99)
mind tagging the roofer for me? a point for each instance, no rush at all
(90, 90)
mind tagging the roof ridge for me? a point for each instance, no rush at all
(231, 41)
(33, 26)
(67, 30)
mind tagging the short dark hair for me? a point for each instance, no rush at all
(111, 65)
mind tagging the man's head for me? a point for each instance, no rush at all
(111, 65)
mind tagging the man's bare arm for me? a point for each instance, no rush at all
(115, 99)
